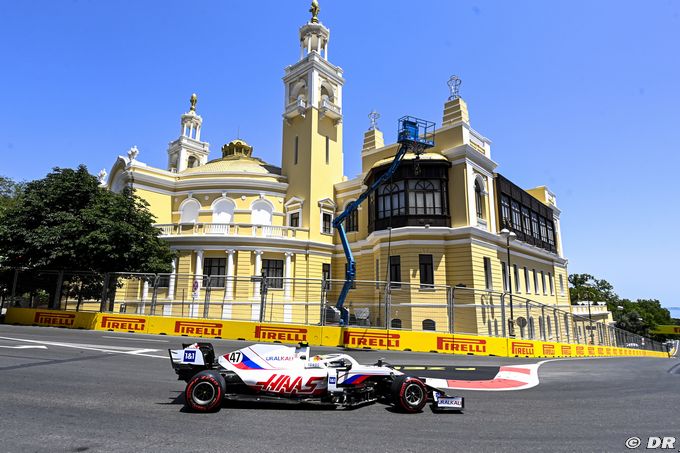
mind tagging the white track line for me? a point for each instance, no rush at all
(100, 348)
(26, 346)
(135, 339)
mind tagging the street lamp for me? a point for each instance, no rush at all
(509, 236)
(590, 317)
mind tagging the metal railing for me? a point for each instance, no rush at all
(231, 229)
(371, 304)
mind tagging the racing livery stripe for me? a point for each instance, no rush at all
(357, 379)
(248, 364)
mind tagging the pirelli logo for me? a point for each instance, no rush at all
(580, 350)
(371, 339)
(591, 350)
(600, 351)
(285, 334)
(123, 323)
(54, 319)
(461, 345)
(566, 350)
(609, 351)
(548, 349)
(199, 328)
(522, 348)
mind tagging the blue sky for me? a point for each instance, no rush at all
(582, 96)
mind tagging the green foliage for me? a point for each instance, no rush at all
(67, 221)
(638, 316)
(9, 192)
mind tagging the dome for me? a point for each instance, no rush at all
(234, 164)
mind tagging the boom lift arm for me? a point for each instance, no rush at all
(415, 135)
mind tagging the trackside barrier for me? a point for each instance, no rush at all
(356, 338)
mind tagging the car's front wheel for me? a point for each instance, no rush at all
(205, 391)
(409, 394)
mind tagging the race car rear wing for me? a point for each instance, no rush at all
(193, 358)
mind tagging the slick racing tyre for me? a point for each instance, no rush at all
(205, 391)
(409, 394)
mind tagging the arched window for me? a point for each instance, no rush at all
(189, 211)
(261, 213)
(479, 199)
(223, 211)
(352, 221)
(395, 323)
(192, 162)
(424, 198)
(327, 92)
(391, 200)
(428, 324)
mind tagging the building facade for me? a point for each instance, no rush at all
(435, 224)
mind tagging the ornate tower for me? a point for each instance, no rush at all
(312, 129)
(188, 150)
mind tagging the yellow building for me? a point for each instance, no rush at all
(434, 231)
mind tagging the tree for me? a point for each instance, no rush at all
(67, 221)
(585, 287)
(9, 192)
(638, 316)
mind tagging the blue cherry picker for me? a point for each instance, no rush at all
(414, 135)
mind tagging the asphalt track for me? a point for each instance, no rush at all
(68, 390)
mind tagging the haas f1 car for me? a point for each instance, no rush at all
(276, 373)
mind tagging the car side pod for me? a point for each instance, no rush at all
(443, 403)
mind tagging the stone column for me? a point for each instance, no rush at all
(229, 285)
(197, 283)
(288, 270)
(145, 297)
(173, 277)
(470, 188)
(258, 273)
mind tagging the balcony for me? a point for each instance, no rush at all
(296, 108)
(169, 230)
(332, 111)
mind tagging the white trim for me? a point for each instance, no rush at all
(253, 240)
(475, 236)
(222, 198)
(180, 181)
(289, 213)
(294, 201)
(251, 248)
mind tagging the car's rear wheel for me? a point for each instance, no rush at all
(205, 391)
(409, 394)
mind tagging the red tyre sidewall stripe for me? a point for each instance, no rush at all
(209, 407)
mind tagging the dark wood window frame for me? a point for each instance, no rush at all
(426, 269)
(273, 270)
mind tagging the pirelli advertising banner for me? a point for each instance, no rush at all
(399, 340)
(122, 323)
(203, 328)
(51, 318)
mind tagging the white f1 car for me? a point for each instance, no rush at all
(272, 372)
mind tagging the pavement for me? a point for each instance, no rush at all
(71, 391)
